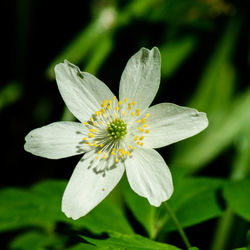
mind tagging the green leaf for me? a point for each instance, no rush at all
(106, 216)
(237, 196)
(37, 240)
(194, 201)
(123, 241)
(41, 206)
(19, 208)
(85, 246)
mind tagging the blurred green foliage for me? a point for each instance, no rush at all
(210, 171)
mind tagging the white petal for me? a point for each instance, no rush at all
(57, 140)
(149, 176)
(141, 78)
(169, 123)
(86, 189)
(82, 92)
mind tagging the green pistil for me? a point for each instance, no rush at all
(117, 129)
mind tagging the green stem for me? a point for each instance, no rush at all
(178, 226)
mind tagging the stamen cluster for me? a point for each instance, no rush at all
(109, 126)
(117, 129)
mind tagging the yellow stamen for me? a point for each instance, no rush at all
(147, 131)
(126, 100)
(132, 113)
(129, 146)
(147, 115)
(143, 120)
(117, 108)
(123, 113)
(145, 125)
(134, 103)
(85, 123)
(101, 145)
(142, 137)
(120, 103)
(105, 103)
(104, 156)
(116, 160)
(137, 110)
(99, 152)
(114, 98)
(110, 101)
(84, 138)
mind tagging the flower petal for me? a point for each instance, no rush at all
(149, 176)
(57, 140)
(169, 123)
(86, 188)
(82, 92)
(140, 79)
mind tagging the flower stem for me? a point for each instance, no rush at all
(178, 226)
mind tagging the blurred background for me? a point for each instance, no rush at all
(204, 46)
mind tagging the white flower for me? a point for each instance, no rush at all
(115, 135)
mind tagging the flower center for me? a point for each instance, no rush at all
(107, 128)
(117, 129)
